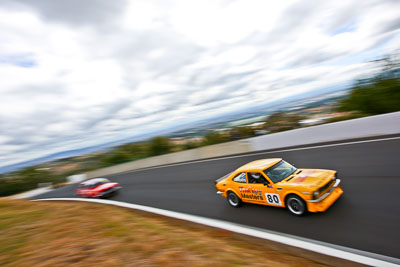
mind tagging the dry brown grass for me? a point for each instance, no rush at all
(84, 234)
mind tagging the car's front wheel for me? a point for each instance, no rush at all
(234, 200)
(296, 205)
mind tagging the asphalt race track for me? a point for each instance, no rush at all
(366, 217)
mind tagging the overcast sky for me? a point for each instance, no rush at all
(78, 73)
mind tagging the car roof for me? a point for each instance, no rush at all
(259, 165)
(95, 181)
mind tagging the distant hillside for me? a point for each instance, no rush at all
(260, 109)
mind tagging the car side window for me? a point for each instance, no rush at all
(240, 178)
(256, 178)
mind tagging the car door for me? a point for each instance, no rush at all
(85, 191)
(239, 182)
(245, 190)
(253, 193)
(264, 192)
(255, 188)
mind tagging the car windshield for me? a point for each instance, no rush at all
(279, 171)
(94, 182)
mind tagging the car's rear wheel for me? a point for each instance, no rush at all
(296, 205)
(234, 200)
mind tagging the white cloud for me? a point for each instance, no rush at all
(77, 74)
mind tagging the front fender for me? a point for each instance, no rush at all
(294, 193)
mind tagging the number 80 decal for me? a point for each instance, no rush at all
(273, 199)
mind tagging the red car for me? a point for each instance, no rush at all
(97, 187)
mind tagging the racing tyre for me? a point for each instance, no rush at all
(296, 205)
(234, 200)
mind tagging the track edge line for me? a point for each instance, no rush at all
(332, 250)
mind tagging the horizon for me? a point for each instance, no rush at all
(65, 154)
(82, 74)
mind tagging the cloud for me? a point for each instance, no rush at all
(82, 73)
(72, 12)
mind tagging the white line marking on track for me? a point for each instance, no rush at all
(294, 241)
(261, 153)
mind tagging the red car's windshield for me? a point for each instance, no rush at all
(94, 183)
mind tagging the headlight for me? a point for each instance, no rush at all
(316, 193)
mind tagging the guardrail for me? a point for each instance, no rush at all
(385, 124)
(379, 125)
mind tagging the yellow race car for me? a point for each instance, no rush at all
(274, 182)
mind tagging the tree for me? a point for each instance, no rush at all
(24, 180)
(115, 157)
(379, 94)
(135, 150)
(281, 121)
(377, 98)
(242, 132)
(159, 145)
(214, 138)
